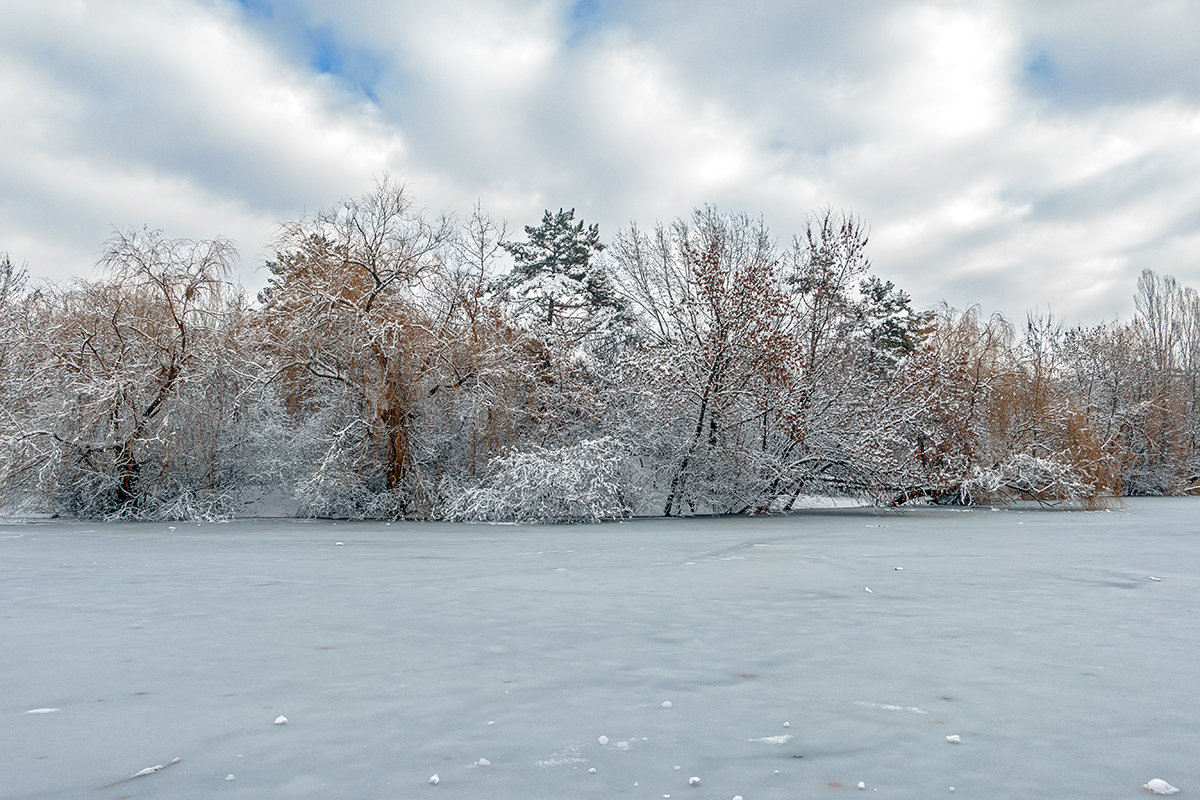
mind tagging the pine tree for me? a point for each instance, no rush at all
(554, 284)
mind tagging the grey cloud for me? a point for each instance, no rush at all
(1001, 152)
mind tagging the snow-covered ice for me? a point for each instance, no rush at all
(390, 654)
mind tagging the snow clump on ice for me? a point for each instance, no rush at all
(603, 740)
(784, 739)
(1159, 786)
(666, 704)
(954, 739)
(434, 780)
(693, 781)
(281, 720)
(483, 762)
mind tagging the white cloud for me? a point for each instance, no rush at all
(1008, 152)
(166, 114)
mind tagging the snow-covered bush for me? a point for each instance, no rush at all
(1021, 476)
(575, 483)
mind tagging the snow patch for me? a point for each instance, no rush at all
(1159, 786)
(889, 707)
(569, 755)
(42, 710)
(784, 739)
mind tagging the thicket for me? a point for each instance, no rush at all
(402, 365)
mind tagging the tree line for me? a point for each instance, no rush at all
(404, 365)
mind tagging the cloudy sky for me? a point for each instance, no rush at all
(1013, 154)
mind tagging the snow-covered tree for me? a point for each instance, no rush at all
(556, 284)
(352, 343)
(128, 400)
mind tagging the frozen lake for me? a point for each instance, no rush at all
(1042, 640)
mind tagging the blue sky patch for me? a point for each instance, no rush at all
(1041, 67)
(585, 17)
(354, 66)
(261, 8)
(326, 55)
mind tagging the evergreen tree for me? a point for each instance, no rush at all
(554, 284)
(893, 328)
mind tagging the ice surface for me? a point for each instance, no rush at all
(391, 654)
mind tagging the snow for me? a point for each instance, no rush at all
(1159, 786)
(391, 654)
